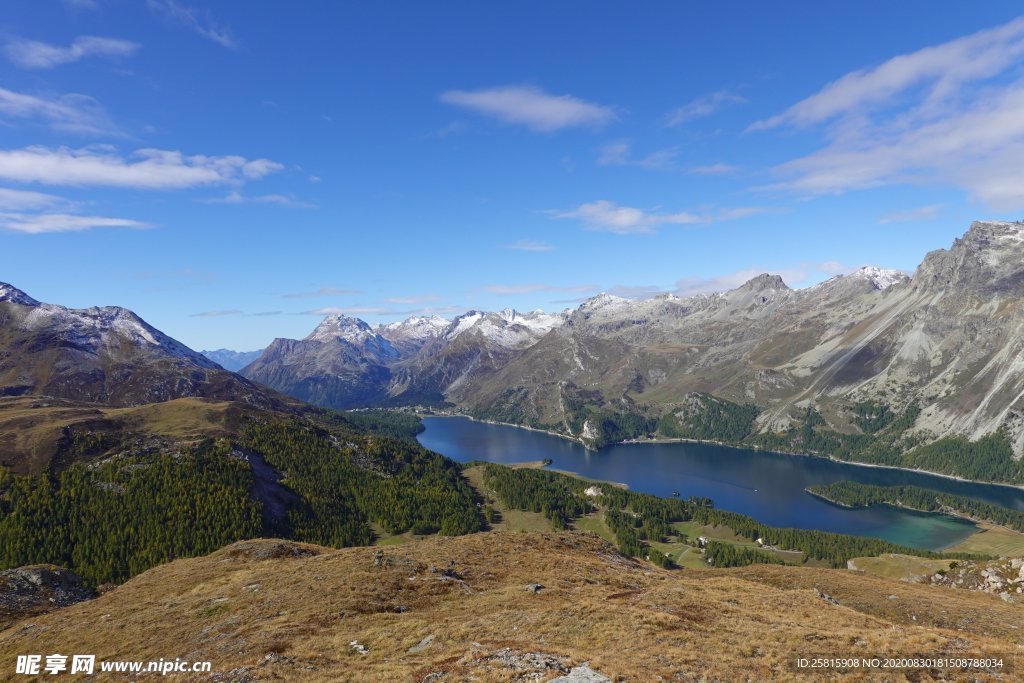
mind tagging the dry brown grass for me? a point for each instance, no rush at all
(292, 617)
(31, 427)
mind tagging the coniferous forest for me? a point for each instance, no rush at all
(112, 519)
(636, 519)
(854, 494)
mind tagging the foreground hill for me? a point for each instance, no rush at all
(469, 608)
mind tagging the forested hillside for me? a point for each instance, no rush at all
(321, 481)
(639, 519)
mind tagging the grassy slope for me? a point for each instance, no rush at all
(507, 520)
(31, 428)
(292, 618)
(900, 567)
(992, 540)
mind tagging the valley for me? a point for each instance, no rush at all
(914, 371)
(511, 342)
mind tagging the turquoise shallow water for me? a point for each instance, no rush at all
(766, 486)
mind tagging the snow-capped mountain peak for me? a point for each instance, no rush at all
(604, 300)
(343, 327)
(881, 278)
(13, 295)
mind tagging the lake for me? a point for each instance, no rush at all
(767, 486)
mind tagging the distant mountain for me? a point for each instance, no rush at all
(104, 355)
(346, 363)
(341, 364)
(941, 351)
(232, 360)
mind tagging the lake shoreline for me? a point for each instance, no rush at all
(665, 440)
(732, 482)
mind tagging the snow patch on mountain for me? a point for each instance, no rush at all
(604, 301)
(13, 295)
(417, 328)
(881, 278)
(463, 323)
(106, 327)
(352, 330)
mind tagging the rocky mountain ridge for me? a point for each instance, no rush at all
(106, 355)
(945, 342)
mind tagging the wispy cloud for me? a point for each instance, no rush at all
(236, 197)
(714, 169)
(531, 107)
(350, 310)
(935, 116)
(535, 287)
(607, 216)
(941, 69)
(78, 114)
(144, 169)
(215, 314)
(621, 154)
(625, 220)
(20, 200)
(323, 291)
(33, 54)
(36, 224)
(702, 107)
(528, 245)
(738, 212)
(412, 300)
(921, 213)
(37, 213)
(200, 21)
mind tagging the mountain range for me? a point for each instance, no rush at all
(944, 343)
(873, 365)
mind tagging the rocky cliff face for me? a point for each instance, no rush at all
(103, 355)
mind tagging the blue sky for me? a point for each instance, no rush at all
(233, 170)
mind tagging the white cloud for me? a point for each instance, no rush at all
(323, 291)
(236, 197)
(20, 200)
(412, 300)
(932, 117)
(620, 154)
(352, 310)
(72, 113)
(200, 21)
(702, 107)
(33, 54)
(215, 314)
(531, 107)
(921, 213)
(35, 224)
(624, 220)
(146, 168)
(535, 287)
(714, 169)
(528, 245)
(735, 213)
(945, 67)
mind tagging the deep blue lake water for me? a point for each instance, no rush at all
(767, 486)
